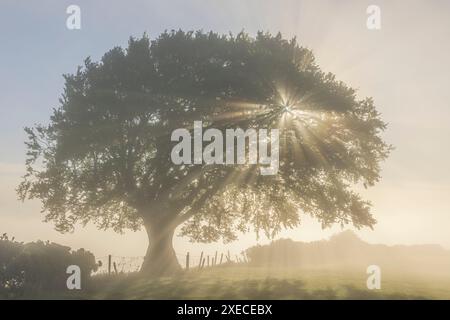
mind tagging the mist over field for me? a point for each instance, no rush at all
(346, 250)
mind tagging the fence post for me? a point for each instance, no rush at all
(187, 261)
(115, 267)
(201, 261)
(109, 264)
(221, 258)
(215, 258)
(208, 261)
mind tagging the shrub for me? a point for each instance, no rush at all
(39, 266)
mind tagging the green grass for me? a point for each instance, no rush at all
(240, 282)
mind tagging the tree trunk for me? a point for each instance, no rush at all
(160, 259)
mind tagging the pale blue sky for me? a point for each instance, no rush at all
(404, 66)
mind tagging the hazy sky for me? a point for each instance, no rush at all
(404, 66)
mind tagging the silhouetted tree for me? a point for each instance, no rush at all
(105, 155)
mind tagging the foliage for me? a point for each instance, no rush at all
(39, 266)
(105, 155)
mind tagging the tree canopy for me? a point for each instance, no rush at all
(104, 157)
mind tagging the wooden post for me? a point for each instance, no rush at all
(187, 261)
(201, 261)
(109, 264)
(221, 258)
(237, 259)
(228, 256)
(208, 261)
(115, 267)
(215, 258)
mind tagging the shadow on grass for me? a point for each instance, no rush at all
(191, 287)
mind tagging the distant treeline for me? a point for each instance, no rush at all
(39, 266)
(347, 249)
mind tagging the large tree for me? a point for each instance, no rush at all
(105, 155)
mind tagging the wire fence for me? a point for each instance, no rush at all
(126, 264)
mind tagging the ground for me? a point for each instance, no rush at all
(243, 282)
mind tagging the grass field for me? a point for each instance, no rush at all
(242, 282)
